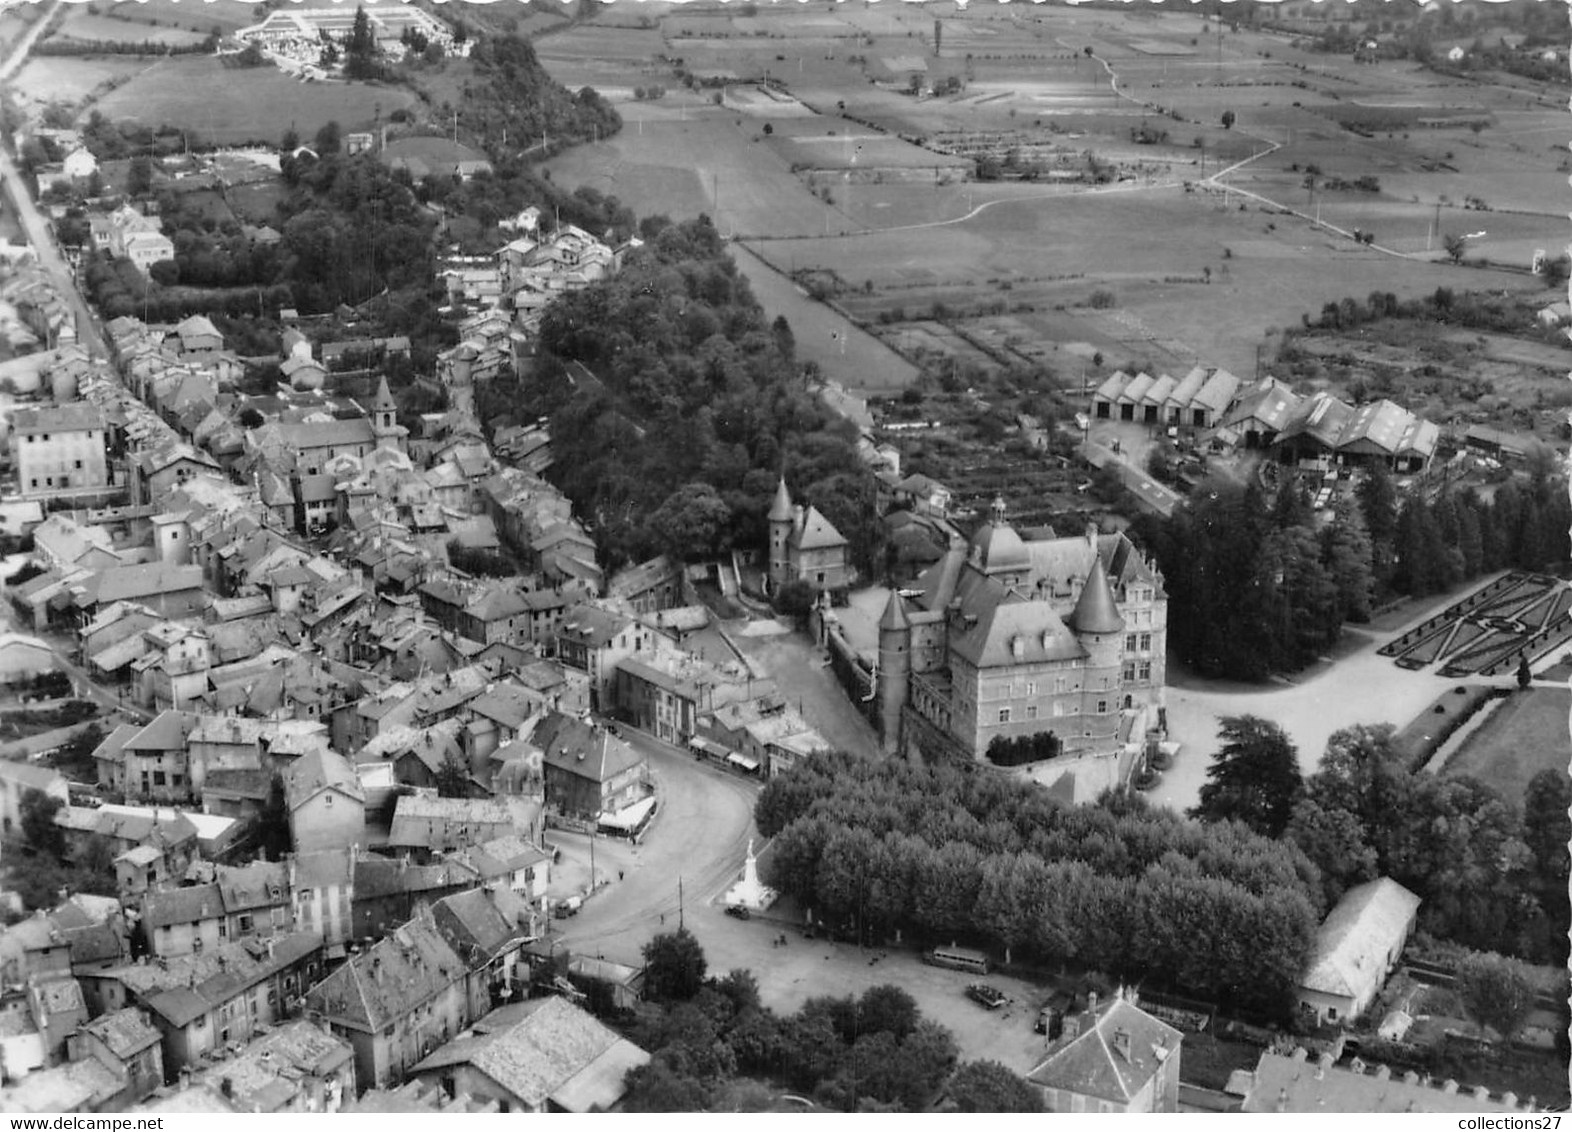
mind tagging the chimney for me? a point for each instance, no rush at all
(1091, 1003)
(1449, 1086)
(1482, 1092)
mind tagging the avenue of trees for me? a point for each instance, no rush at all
(675, 406)
(952, 853)
(714, 1046)
(1257, 586)
(1493, 876)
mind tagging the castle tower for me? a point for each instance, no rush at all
(384, 418)
(894, 679)
(780, 519)
(1100, 629)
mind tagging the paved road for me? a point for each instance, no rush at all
(34, 226)
(698, 838)
(1150, 493)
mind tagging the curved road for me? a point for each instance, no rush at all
(699, 837)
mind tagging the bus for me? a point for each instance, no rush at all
(959, 959)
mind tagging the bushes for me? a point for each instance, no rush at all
(1005, 751)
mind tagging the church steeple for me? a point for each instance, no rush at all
(384, 418)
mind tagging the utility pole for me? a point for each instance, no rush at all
(679, 904)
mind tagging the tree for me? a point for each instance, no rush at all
(1455, 246)
(1547, 825)
(39, 831)
(251, 418)
(1496, 992)
(452, 777)
(689, 525)
(889, 1009)
(327, 139)
(139, 176)
(360, 49)
(987, 1086)
(674, 966)
(1525, 673)
(1254, 778)
(1228, 119)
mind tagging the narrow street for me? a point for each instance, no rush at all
(34, 226)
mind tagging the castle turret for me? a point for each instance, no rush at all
(1100, 629)
(894, 677)
(780, 520)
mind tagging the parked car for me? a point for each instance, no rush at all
(568, 907)
(991, 997)
(739, 910)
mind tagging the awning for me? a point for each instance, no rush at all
(630, 817)
(743, 761)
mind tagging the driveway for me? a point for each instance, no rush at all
(1359, 688)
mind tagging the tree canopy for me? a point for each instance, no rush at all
(674, 966)
(949, 853)
(1254, 778)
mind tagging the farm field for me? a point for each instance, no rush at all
(235, 105)
(82, 22)
(227, 15)
(1525, 735)
(42, 81)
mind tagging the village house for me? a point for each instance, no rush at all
(59, 448)
(1300, 1082)
(294, 1067)
(595, 640)
(546, 1055)
(1357, 946)
(1113, 1058)
(322, 886)
(590, 772)
(184, 921)
(488, 928)
(202, 1002)
(129, 1046)
(425, 825)
(327, 808)
(386, 892)
(396, 1002)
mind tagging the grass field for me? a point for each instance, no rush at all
(1525, 735)
(226, 15)
(82, 23)
(71, 80)
(234, 105)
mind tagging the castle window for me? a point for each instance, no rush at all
(1129, 671)
(1143, 671)
(1102, 707)
(1146, 642)
(1129, 643)
(1058, 709)
(1004, 715)
(1031, 711)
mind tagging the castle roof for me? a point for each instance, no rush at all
(1095, 611)
(780, 509)
(894, 614)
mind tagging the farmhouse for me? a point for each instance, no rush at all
(1358, 944)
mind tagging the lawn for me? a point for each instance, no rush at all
(1524, 736)
(225, 104)
(82, 23)
(70, 80)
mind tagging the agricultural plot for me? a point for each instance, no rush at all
(71, 80)
(1525, 735)
(1487, 632)
(81, 23)
(200, 18)
(223, 104)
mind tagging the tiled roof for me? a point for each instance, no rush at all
(582, 749)
(1353, 943)
(182, 905)
(540, 1050)
(126, 1032)
(1112, 1059)
(404, 970)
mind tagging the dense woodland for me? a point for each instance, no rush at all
(1257, 586)
(1492, 874)
(961, 854)
(675, 406)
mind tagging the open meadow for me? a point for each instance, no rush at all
(1526, 734)
(892, 228)
(230, 105)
